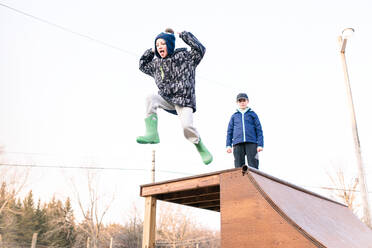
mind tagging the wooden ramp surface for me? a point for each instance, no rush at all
(258, 210)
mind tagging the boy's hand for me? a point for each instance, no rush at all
(229, 150)
(259, 149)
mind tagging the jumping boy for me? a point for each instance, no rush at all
(244, 133)
(174, 74)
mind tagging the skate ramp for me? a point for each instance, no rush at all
(258, 210)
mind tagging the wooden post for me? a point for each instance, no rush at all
(149, 223)
(88, 242)
(148, 240)
(111, 241)
(153, 167)
(34, 240)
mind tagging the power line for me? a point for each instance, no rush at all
(94, 39)
(54, 154)
(87, 168)
(75, 167)
(136, 169)
(125, 169)
(69, 30)
(332, 188)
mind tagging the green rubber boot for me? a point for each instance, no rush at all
(151, 136)
(204, 153)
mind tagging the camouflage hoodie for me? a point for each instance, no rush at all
(175, 74)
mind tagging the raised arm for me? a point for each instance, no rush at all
(145, 64)
(197, 49)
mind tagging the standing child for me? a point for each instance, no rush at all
(174, 74)
(244, 133)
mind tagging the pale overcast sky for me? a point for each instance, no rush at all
(71, 93)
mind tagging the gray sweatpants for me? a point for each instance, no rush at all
(185, 114)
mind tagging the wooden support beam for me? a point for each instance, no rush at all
(217, 208)
(111, 241)
(148, 240)
(34, 240)
(193, 183)
(205, 205)
(197, 199)
(174, 196)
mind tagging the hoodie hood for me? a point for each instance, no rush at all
(170, 41)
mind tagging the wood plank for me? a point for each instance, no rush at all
(248, 220)
(215, 190)
(171, 198)
(217, 208)
(205, 204)
(193, 183)
(327, 223)
(148, 240)
(197, 199)
(191, 177)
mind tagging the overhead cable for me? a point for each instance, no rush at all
(68, 30)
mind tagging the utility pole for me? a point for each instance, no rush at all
(153, 167)
(346, 33)
(149, 223)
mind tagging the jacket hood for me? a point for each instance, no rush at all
(170, 41)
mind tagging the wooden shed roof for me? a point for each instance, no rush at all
(283, 213)
(202, 191)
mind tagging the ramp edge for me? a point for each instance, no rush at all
(281, 212)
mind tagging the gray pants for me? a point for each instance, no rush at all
(185, 114)
(245, 149)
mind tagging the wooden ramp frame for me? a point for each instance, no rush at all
(261, 211)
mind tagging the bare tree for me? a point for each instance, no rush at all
(134, 228)
(177, 227)
(14, 180)
(344, 189)
(128, 235)
(91, 209)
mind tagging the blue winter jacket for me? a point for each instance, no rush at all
(240, 131)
